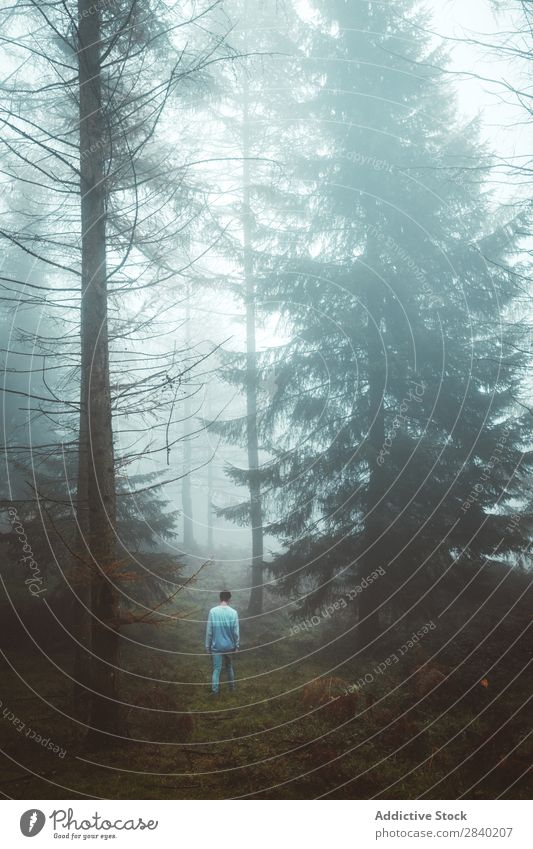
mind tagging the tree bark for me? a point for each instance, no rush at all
(256, 509)
(80, 577)
(186, 496)
(96, 404)
(210, 460)
(369, 627)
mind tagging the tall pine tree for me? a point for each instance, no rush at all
(396, 439)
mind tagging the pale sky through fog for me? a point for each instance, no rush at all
(503, 124)
(475, 19)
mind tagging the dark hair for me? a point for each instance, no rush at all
(225, 595)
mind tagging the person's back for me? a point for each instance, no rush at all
(222, 639)
(222, 629)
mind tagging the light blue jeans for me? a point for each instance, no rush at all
(217, 668)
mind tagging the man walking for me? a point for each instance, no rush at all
(222, 640)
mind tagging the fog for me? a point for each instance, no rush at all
(266, 323)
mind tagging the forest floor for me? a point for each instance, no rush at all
(277, 736)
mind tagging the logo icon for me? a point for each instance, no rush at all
(32, 822)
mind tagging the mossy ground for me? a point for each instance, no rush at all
(264, 741)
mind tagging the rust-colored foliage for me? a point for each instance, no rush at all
(323, 690)
(427, 679)
(341, 705)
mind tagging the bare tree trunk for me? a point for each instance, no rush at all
(186, 497)
(95, 369)
(256, 511)
(80, 577)
(210, 540)
(369, 627)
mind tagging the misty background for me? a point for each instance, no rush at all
(266, 320)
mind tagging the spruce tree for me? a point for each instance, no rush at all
(396, 438)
